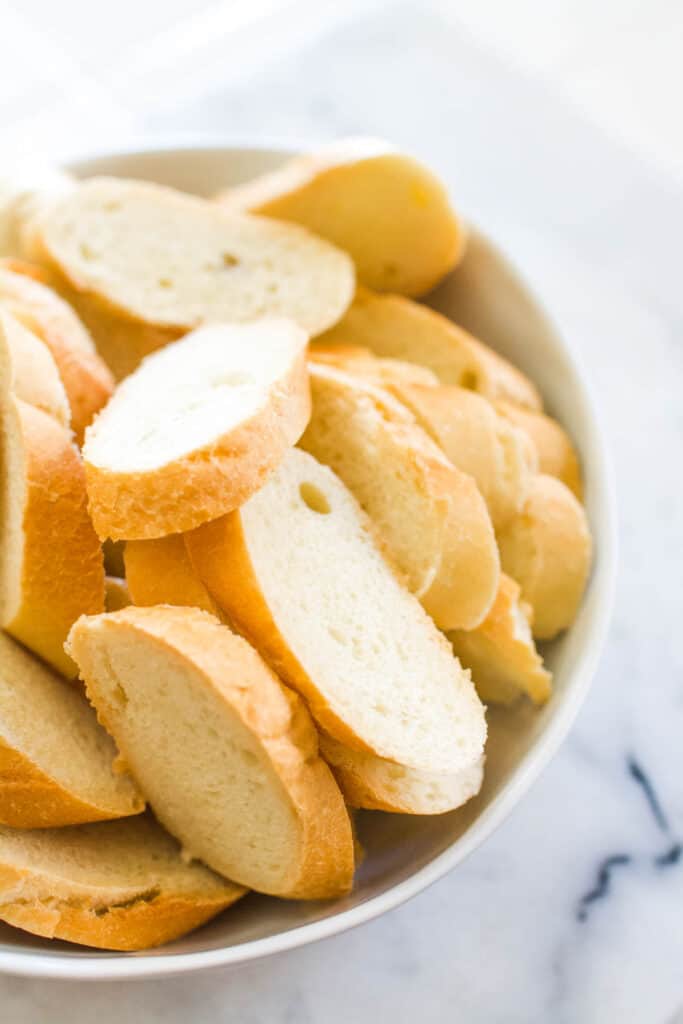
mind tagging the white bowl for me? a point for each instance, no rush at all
(404, 854)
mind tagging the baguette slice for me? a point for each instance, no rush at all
(431, 516)
(160, 572)
(28, 371)
(55, 760)
(23, 194)
(51, 568)
(372, 783)
(547, 550)
(498, 456)
(164, 262)
(298, 570)
(501, 653)
(196, 429)
(396, 327)
(557, 456)
(115, 885)
(87, 380)
(227, 756)
(384, 208)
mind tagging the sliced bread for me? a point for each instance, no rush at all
(361, 361)
(386, 209)
(196, 428)
(51, 568)
(160, 572)
(115, 885)
(370, 782)
(28, 371)
(87, 380)
(557, 456)
(501, 653)
(498, 456)
(298, 569)
(547, 550)
(24, 191)
(390, 325)
(430, 516)
(166, 262)
(56, 762)
(227, 756)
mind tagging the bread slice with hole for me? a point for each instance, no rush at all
(390, 325)
(557, 455)
(501, 654)
(160, 572)
(56, 762)
(227, 756)
(29, 372)
(497, 455)
(51, 568)
(120, 885)
(161, 262)
(386, 209)
(430, 516)
(547, 549)
(375, 784)
(299, 571)
(196, 429)
(87, 380)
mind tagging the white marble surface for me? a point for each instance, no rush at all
(514, 934)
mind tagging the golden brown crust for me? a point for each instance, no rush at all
(209, 481)
(547, 549)
(62, 572)
(87, 380)
(160, 572)
(390, 325)
(116, 594)
(557, 456)
(503, 660)
(275, 716)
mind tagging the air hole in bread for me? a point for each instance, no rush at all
(112, 206)
(86, 252)
(231, 379)
(229, 260)
(120, 694)
(314, 498)
(165, 282)
(469, 380)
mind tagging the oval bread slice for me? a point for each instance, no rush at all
(168, 262)
(299, 571)
(430, 515)
(55, 760)
(196, 429)
(390, 325)
(51, 567)
(547, 550)
(115, 885)
(227, 756)
(501, 653)
(557, 456)
(384, 208)
(87, 380)
(498, 456)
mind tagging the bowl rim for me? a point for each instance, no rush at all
(100, 967)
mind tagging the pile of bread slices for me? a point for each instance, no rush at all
(332, 523)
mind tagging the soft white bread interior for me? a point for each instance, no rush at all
(498, 456)
(56, 762)
(298, 569)
(115, 885)
(547, 550)
(87, 380)
(24, 192)
(557, 455)
(51, 568)
(386, 209)
(501, 653)
(430, 516)
(160, 572)
(166, 262)
(390, 325)
(196, 428)
(373, 783)
(227, 756)
(29, 372)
